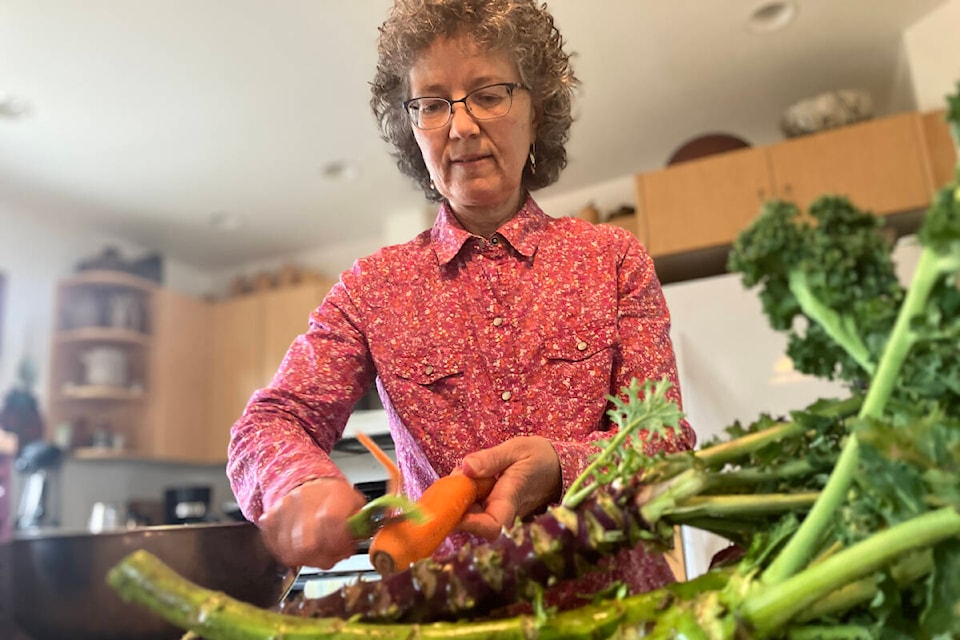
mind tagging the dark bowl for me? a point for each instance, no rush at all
(59, 585)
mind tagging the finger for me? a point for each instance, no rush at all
(481, 524)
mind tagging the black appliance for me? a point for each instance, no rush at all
(187, 505)
(39, 504)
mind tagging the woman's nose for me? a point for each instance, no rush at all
(462, 124)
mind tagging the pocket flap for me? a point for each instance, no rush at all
(578, 343)
(428, 367)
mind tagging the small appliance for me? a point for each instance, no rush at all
(39, 505)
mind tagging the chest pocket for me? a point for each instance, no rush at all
(577, 365)
(428, 383)
(575, 344)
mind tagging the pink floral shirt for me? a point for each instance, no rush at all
(472, 342)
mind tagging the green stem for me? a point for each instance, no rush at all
(577, 491)
(807, 538)
(902, 337)
(743, 477)
(741, 505)
(904, 572)
(735, 530)
(833, 632)
(841, 328)
(144, 579)
(720, 454)
(663, 499)
(772, 606)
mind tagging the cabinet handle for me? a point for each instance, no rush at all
(761, 195)
(787, 190)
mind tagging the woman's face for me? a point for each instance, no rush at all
(475, 164)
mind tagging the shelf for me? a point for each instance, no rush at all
(101, 453)
(109, 279)
(93, 392)
(103, 334)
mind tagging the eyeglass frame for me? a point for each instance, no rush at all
(511, 87)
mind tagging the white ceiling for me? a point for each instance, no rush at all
(147, 118)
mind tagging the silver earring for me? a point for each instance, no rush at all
(433, 187)
(533, 160)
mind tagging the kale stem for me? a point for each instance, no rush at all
(798, 550)
(841, 328)
(742, 477)
(724, 452)
(746, 505)
(772, 606)
(835, 632)
(665, 496)
(907, 570)
(902, 337)
(807, 538)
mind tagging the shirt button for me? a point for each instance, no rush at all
(506, 395)
(428, 370)
(497, 321)
(494, 240)
(581, 346)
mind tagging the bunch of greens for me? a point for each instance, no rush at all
(848, 511)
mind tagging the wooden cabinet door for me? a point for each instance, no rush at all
(702, 203)
(237, 342)
(880, 165)
(286, 314)
(940, 148)
(179, 425)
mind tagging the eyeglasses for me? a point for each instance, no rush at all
(485, 103)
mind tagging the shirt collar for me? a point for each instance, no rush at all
(522, 231)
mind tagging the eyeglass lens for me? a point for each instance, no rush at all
(483, 103)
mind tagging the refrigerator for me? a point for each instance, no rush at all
(733, 366)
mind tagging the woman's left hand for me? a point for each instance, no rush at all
(527, 473)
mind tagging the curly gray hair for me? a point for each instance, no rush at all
(521, 27)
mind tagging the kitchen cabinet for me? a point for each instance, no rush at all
(100, 360)
(886, 165)
(178, 421)
(251, 334)
(701, 203)
(880, 165)
(941, 146)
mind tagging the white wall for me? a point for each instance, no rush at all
(33, 256)
(933, 49)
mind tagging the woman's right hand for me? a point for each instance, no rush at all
(308, 527)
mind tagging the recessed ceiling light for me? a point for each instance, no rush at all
(224, 221)
(340, 170)
(772, 15)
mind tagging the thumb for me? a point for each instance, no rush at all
(486, 463)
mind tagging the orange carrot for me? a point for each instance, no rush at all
(443, 504)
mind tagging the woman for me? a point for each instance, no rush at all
(497, 335)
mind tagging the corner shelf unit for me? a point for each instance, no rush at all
(101, 315)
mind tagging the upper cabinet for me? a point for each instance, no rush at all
(251, 334)
(697, 204)
(881, 165)
(177, 424)
(941, 147)
(886, 165)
